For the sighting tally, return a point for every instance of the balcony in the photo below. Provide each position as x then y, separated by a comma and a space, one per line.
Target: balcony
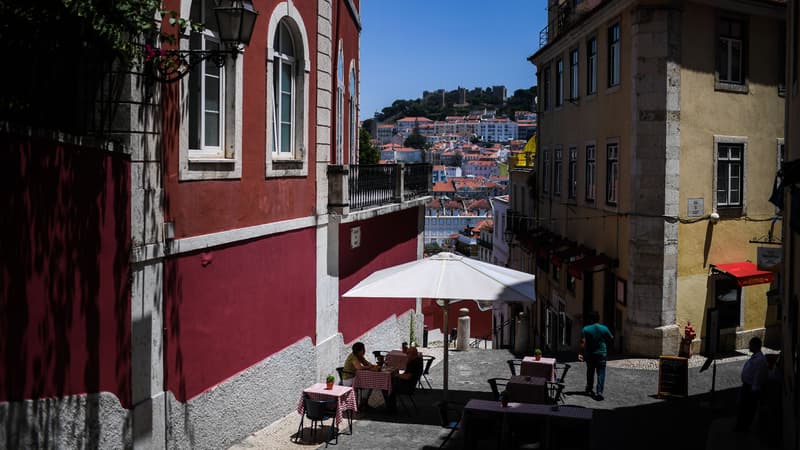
359, 187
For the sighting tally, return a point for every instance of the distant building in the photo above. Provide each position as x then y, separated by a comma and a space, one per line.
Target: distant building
406, 125
497, 130
500, 93
385, 133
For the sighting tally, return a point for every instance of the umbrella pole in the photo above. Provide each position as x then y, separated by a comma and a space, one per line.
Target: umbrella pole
445, 309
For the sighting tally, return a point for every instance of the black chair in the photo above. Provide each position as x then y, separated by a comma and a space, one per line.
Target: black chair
428, 360
514, 364
561, 372
555, 392
407, 389
444, 416
340, 371
453, 336
318, 411
496, 384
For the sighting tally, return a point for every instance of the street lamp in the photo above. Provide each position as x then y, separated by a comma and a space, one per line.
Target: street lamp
235, 22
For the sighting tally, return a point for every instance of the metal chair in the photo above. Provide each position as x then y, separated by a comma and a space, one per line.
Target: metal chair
514, 364
318, 411
561, 372
340, 371
428, 361
555, 393
496, 384
446, 422
408, 390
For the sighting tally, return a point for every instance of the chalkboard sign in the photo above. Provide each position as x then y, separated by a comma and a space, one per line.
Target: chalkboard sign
673, 376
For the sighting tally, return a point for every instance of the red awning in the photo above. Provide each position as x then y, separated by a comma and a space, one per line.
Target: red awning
746, 273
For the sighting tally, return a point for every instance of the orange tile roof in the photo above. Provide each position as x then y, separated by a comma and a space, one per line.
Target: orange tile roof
443, 186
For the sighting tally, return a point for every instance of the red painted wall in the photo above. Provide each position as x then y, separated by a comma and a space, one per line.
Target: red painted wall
64, 289
233, 306
201, 207
385, 241
480, 323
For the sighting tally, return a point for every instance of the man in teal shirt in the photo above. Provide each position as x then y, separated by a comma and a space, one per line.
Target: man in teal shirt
593, 351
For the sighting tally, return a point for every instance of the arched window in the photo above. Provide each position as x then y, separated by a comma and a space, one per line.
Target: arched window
353, 116
288, 68
211, 132
340, 107
284, 92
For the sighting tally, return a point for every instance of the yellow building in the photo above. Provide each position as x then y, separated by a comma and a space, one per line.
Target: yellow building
660, 130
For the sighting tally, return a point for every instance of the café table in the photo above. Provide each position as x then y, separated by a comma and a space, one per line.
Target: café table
544, 367
345, 400
370, 379
476, 408
397, 359
526, 389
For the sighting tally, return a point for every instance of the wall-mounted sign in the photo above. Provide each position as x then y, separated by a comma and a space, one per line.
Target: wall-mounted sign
769, 257
355, 237
696, 207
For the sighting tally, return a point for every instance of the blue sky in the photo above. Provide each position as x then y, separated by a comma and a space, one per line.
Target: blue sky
415, 45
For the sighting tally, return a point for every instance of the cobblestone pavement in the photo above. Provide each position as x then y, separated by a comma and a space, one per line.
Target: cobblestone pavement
630, 416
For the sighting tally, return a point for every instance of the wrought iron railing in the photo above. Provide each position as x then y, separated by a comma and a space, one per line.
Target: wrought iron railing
371, 185
357, 187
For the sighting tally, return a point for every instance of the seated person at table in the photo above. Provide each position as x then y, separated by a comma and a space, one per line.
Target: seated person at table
406, 382
356, 361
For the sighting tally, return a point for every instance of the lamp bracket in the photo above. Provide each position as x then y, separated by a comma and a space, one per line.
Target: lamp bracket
168, 66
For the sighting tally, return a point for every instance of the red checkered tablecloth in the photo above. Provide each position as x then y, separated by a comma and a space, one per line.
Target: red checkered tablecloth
368, 379
345, 396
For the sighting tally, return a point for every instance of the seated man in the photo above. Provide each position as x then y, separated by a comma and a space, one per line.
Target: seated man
356, 361
406, 382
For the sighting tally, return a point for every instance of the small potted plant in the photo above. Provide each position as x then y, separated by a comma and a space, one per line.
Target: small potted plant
504, 398
537, 354
329, 382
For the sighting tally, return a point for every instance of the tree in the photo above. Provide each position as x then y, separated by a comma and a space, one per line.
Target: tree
416, 140
367, 153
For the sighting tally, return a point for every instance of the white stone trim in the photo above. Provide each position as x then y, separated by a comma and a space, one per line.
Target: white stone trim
287, 10
190, 244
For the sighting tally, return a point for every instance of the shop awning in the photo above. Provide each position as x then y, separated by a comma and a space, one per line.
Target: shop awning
746, 273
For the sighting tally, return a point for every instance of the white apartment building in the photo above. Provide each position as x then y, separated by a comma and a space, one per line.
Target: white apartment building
497, 130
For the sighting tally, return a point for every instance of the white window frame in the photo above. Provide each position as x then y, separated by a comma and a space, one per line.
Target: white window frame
572, 173
590, 186
559, 82
612, 173
591, 66
546, 170
731, 140
296, 162
211, 162
574, 71
614, 54
724, 47
558, 166
353, 116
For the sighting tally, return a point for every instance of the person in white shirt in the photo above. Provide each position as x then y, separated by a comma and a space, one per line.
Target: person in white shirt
754, 381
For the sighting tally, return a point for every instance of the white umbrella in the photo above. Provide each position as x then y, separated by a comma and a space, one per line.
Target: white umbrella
446, 276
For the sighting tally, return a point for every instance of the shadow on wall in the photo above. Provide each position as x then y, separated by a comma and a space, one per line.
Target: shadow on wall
64, 282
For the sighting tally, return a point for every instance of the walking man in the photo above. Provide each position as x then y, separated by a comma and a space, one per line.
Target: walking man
754, 381
594, 352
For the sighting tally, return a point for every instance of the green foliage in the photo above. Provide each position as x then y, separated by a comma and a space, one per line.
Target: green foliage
330, 379
431, 105
367, 153
416, 140
432, 248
